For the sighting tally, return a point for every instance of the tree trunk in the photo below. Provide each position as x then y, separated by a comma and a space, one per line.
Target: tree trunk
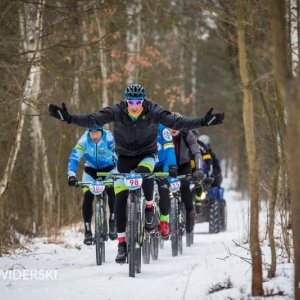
33, 86
248, 115
290, 93
194, 82
26, 90
103, 64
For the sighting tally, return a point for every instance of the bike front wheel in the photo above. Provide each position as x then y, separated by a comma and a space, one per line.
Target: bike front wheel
132, 222
99, 231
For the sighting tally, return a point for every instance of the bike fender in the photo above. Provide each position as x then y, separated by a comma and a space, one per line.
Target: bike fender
216, 193
213, 193
221, 195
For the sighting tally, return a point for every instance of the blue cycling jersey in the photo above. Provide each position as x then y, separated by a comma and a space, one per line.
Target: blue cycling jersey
166, 152
97, 156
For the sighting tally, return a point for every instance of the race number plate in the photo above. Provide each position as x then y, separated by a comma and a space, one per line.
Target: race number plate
97, 187
174, 184
133, 181
155, 188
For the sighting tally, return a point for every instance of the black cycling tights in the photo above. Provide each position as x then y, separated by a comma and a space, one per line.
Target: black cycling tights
125, 165
186, 194
87, 204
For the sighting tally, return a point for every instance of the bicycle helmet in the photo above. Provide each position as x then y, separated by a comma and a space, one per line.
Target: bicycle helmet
135, 92
205, 139
99, 128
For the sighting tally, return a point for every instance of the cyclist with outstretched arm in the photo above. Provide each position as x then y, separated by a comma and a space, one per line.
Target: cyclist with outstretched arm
136, 120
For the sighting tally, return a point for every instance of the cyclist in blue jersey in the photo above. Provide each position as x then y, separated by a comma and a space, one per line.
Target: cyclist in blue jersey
136, 121
98, 148
165, 162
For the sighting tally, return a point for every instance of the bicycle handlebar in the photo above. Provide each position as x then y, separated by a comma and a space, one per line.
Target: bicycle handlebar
144, 175
87, 183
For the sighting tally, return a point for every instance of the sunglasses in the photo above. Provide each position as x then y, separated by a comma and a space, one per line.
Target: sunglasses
135, 102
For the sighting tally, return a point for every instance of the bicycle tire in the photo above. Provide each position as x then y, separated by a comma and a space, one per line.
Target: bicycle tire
140, 217
132, 238
174, 226
188, 239
155, 237
98, 240
154, 246
181, 226
146, 249
161, 243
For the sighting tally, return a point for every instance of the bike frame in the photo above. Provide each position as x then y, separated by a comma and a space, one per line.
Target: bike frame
97, 188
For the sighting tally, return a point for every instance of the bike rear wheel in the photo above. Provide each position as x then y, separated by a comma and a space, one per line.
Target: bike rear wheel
174, 226
154, 245
161, 243
140, 217
180, 244
146, 248
189, 239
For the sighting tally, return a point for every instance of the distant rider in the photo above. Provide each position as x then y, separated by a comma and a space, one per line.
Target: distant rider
166, 162
98, 148
186, 148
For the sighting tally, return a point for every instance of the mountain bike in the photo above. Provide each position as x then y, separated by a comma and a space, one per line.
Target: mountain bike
135, 216
97, 188
177, 217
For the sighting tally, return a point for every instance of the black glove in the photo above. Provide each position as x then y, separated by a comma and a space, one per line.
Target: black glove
173, 171
213, 119
198, 175
59, 113
72, 181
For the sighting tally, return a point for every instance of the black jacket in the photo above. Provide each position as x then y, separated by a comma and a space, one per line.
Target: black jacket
188, 149
136, 137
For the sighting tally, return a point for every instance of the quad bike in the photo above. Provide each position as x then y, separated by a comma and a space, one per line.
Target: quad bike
212, 207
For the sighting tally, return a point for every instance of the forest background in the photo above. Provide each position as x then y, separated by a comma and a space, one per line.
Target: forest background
240, 57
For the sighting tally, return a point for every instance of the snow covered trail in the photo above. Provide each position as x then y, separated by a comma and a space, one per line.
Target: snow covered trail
68, 270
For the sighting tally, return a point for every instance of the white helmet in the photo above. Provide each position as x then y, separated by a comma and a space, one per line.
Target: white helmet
204, 139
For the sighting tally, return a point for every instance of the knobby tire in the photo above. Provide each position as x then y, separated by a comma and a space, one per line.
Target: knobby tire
99, 232
132, 238
174, 226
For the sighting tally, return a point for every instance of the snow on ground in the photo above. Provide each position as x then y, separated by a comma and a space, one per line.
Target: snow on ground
66, 269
